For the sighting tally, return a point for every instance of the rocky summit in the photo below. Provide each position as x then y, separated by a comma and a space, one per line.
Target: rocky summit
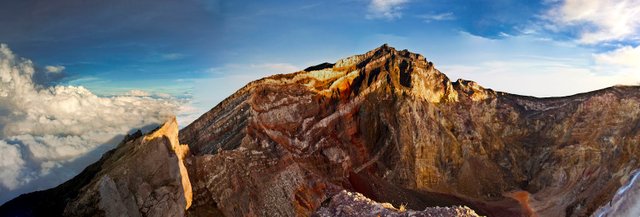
363, 136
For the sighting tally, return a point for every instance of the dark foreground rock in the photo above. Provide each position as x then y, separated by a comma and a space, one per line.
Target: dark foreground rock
347, 204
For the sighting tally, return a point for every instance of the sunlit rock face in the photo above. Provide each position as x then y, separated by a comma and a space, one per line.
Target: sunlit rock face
389, 125
143, 176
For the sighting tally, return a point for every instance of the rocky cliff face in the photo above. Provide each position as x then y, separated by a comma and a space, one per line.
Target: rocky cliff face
388, 125
143, 176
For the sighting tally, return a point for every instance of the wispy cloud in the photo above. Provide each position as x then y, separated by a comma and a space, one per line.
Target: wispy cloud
310, 6
385, 9
54, 69
279, 67
437, 17
598, 21
173, 56
526, 76
255, 68
626, 57
602, 24
524, 64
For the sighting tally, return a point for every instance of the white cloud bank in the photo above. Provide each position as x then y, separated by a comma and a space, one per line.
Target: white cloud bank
624, 61
599, 21
45, 131
626, 56
385, 9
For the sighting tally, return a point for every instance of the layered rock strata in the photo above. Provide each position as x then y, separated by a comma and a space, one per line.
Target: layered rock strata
389, 125
386, 124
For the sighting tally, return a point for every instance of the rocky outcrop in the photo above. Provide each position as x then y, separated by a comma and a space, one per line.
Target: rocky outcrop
347, 204
385, 124
143, 176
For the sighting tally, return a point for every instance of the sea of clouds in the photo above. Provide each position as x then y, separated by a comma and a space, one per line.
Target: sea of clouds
48, 134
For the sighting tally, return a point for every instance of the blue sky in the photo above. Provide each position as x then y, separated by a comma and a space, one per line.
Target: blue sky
203, 50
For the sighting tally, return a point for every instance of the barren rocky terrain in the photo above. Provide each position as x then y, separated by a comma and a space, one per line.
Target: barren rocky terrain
385, 124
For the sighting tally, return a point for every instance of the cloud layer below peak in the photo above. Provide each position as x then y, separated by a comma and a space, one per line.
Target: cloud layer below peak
45, 131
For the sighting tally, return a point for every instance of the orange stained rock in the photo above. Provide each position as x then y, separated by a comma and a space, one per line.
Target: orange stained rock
170, 130
523, 198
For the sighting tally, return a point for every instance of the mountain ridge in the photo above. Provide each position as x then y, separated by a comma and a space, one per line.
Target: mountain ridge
388, 125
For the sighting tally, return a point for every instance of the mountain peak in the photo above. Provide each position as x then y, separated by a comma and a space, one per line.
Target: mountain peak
382, 53
385, 48
384, 67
